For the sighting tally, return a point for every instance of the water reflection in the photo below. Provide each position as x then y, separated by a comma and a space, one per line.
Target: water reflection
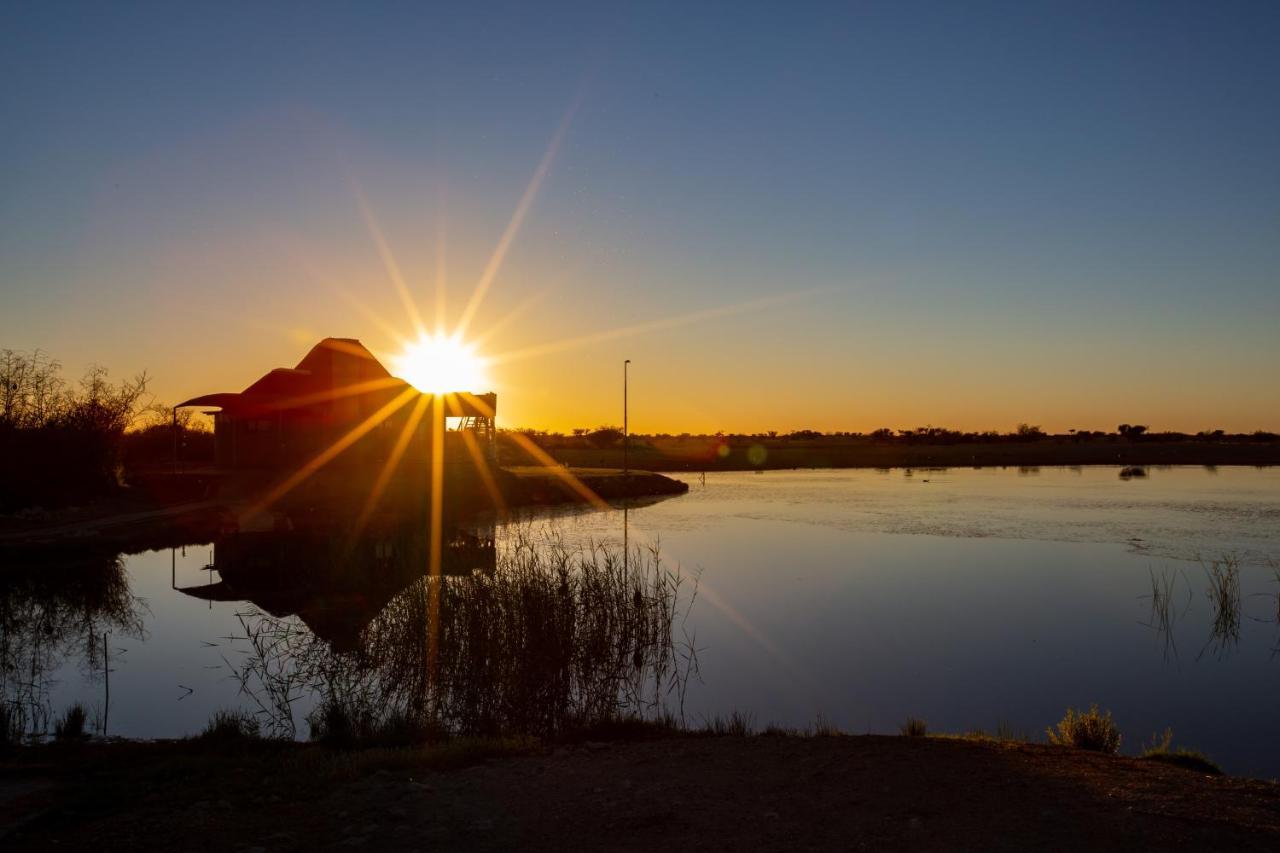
334, 583
530, 637
1167, 608
55, 612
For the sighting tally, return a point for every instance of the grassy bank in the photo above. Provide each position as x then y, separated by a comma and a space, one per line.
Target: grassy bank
736, 790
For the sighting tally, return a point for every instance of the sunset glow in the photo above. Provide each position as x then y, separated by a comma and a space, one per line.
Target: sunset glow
440, 364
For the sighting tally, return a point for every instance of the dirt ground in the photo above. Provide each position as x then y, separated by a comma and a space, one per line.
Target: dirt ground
687, 793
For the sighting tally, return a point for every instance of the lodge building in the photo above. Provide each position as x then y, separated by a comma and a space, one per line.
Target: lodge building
338, 393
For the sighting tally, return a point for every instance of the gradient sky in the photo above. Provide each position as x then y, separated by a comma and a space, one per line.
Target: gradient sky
968, 215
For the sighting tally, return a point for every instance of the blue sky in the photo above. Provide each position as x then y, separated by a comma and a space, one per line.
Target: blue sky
982, 213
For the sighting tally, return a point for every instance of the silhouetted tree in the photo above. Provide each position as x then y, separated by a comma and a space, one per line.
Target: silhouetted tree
605, 436
60, 443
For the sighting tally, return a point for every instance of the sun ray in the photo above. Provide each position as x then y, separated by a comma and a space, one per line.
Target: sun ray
435, 535
509, 318
388, 260
517, 219
647, 326
562, 473
482, 471
328, 454
366, 387
320, 278
748, 628
393, 461
442, 269
372, 316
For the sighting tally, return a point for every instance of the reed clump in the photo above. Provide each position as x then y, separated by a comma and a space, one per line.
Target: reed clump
231, 726
914, 727
1224, 599
1089, 730
71, 726
1161, 749
13, 725
551, 641
737, 724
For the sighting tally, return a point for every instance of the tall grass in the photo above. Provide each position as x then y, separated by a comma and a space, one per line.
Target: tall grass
914, 727
553, 639
1224, 600
71, 726
1161, 749
1164, 611
13, 725
229, 726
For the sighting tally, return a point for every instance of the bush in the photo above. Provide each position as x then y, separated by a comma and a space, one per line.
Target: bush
13, 723
232, 725
1161, 749
341, 725
71, 726
1092, 731
914, 727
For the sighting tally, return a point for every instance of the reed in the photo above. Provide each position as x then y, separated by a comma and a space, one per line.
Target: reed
914, 727
1161, 749
71, 726
1224, 600
552, 640
231, 726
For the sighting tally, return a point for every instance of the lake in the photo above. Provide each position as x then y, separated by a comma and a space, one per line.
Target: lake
972, 599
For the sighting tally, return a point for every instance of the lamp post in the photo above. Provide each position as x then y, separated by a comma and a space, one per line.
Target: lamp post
626, 435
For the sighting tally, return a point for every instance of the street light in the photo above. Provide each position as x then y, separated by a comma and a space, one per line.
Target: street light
626, 436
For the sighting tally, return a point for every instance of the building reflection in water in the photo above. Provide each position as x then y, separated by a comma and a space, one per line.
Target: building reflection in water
526, 636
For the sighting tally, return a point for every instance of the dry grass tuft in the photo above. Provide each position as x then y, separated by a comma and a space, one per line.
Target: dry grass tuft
914, 727
1092, 731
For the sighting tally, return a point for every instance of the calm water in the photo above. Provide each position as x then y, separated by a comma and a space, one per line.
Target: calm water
969, 598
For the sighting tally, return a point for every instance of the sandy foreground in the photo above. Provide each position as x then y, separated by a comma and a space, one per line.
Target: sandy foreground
687, 793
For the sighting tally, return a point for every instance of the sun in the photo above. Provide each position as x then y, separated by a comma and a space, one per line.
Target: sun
442, 364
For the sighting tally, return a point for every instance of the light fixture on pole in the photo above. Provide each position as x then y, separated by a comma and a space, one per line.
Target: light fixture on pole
626, 435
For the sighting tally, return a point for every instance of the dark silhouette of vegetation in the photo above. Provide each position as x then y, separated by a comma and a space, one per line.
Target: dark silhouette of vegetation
605, 436
60, 442
1161, 749
914, 727
550, 640
71, 725
149, 445
231, 726
1087, 730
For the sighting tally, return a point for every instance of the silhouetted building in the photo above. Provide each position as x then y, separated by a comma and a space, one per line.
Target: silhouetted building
338, 392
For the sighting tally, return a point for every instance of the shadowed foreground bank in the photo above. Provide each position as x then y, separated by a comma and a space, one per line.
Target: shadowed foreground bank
769, 793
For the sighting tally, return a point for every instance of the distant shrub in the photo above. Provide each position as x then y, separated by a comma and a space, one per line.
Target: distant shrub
13, 723
342, 725
1161, 749
736, 724
71, 726
1092, 731
823, 727
231, 725
914, 727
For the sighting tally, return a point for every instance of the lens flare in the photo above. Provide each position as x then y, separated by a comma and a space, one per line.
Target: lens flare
441, 364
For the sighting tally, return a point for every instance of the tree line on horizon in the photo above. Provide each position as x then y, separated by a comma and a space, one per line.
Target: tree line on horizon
609, 436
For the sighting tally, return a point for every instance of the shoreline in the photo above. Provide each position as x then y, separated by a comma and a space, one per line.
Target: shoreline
155, 516
735, 791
